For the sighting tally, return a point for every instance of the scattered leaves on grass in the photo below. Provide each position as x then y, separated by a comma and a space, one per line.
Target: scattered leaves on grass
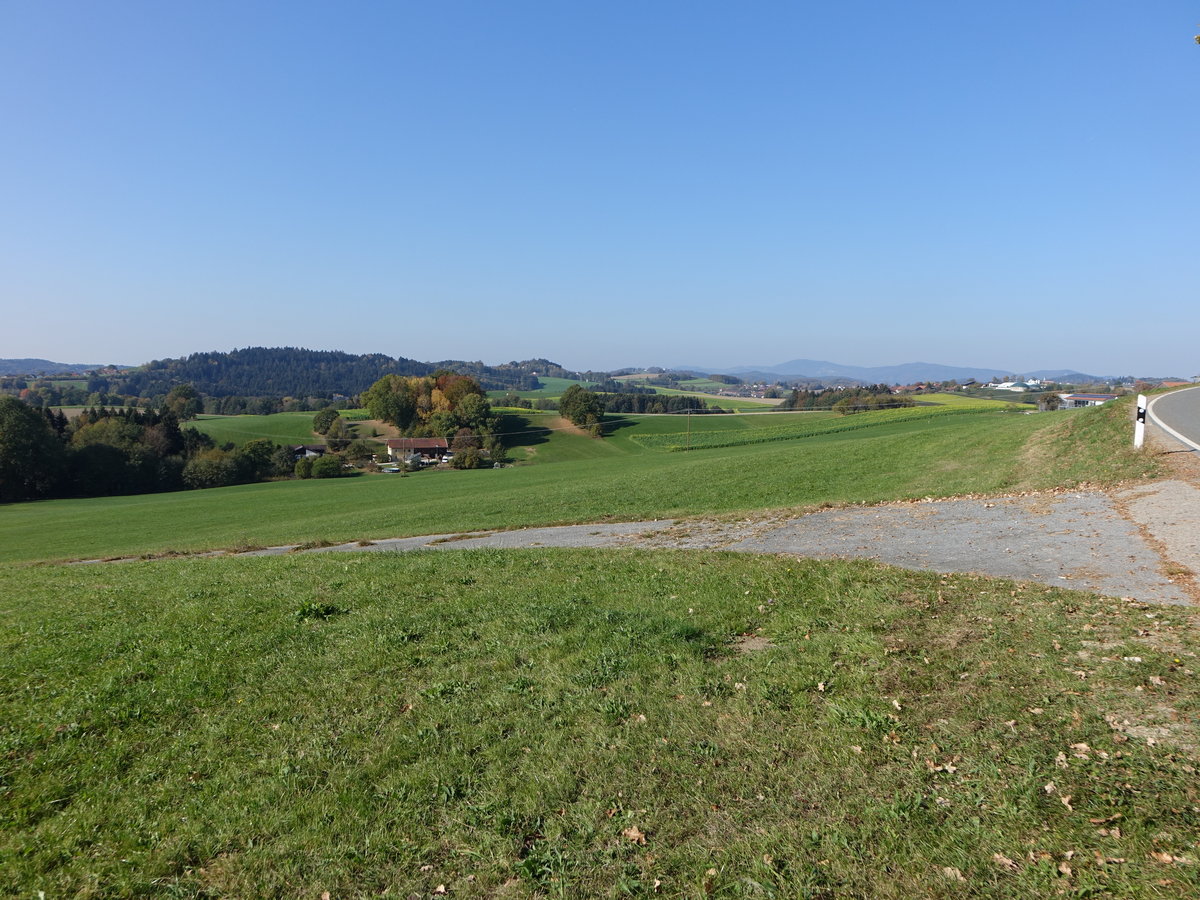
1169, 859
635, 834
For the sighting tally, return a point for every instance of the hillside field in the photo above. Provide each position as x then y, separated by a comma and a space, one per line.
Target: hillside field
551, 388
609, 479
579, 723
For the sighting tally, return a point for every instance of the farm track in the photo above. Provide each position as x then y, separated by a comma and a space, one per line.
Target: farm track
1140, 541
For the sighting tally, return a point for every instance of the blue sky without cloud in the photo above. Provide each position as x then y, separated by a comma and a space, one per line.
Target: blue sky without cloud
606, 184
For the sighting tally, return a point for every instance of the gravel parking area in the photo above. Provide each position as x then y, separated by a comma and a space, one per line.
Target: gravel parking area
1141, 542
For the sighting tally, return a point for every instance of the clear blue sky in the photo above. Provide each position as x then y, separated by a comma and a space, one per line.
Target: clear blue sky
606, 184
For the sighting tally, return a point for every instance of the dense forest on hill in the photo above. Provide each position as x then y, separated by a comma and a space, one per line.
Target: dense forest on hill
262, 371
296, 372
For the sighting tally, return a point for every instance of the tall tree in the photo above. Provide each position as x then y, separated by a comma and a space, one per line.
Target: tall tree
184, 401
31, 455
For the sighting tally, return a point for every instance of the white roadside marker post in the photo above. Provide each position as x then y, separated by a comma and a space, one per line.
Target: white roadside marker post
1139, 425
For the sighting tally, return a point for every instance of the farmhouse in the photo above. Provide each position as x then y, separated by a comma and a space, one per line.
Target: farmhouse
308, 451
400, 449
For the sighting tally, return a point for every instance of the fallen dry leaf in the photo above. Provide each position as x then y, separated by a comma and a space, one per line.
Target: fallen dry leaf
1004, 862
1169, 859
635, 834
1064, 869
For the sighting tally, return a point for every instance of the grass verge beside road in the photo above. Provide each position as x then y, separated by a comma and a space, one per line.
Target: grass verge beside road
589, 723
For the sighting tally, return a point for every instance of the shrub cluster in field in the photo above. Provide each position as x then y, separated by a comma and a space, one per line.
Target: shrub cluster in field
589, 723
714, 439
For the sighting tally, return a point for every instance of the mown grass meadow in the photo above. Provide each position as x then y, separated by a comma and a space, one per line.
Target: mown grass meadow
588, 724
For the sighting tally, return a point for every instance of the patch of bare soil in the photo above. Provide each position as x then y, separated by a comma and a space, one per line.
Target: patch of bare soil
1157, 723
383, 430
568, 427
752, 643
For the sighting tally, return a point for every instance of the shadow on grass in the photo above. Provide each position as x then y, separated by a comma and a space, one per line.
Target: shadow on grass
520, 431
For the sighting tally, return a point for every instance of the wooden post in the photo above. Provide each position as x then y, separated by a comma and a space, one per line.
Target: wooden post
1139, 424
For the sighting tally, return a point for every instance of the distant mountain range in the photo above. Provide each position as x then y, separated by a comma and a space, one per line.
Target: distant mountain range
45, 367
907, 373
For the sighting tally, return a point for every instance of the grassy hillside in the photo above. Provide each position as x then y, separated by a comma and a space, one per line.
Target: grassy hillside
613, 479
282, 428
588, 724
551, 388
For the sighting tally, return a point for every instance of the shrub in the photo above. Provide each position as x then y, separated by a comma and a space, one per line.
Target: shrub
327, 466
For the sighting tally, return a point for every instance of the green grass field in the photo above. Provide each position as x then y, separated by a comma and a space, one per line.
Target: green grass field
551, 388
805, 427
282, 428
593, 480
588, 724
961, 401
723, 402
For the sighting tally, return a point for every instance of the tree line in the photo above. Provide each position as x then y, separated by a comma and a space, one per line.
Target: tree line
103, 452
846, 400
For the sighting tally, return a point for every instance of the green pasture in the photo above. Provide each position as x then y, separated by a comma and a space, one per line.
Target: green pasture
609, 479
536, 724
282, 428
702, 384
960, 401
723, 402
802, 426
551, 388
534, 437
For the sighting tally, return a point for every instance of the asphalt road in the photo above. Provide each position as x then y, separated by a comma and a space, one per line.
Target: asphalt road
1178, 413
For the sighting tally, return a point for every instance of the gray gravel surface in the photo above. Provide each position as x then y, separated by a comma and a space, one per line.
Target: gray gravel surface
1141, 542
